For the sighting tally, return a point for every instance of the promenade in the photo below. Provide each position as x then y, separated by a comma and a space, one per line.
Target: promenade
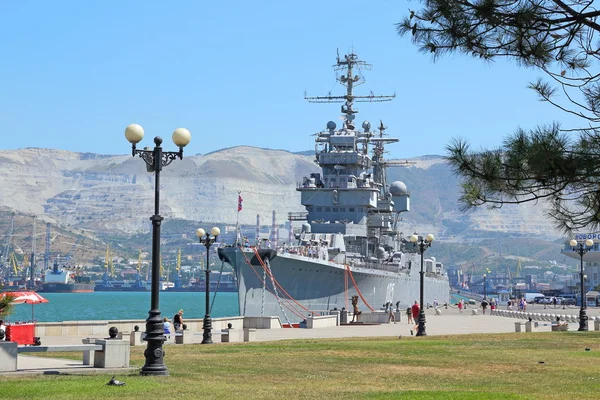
449, 323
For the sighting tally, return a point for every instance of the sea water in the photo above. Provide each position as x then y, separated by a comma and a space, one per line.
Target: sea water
108, 306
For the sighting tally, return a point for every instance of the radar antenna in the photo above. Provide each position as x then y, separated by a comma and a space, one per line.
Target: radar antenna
348, 63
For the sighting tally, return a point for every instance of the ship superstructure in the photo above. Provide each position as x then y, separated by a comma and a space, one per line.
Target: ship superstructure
349, 243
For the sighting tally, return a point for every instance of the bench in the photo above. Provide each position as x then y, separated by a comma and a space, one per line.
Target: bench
238, 335
87, 349
99, 353
559, 328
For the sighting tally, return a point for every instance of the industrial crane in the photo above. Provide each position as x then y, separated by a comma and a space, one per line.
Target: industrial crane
109, 268
5, 253
178, 269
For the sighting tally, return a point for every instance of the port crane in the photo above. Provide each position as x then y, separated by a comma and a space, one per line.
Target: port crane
178, 269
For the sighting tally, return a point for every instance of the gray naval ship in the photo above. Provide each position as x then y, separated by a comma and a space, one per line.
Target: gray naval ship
349, 243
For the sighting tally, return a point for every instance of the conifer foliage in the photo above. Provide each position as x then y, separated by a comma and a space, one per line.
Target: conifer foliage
555, 164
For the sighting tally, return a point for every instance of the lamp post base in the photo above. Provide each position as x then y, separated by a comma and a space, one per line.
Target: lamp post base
154, 353
421, 328
207, 327
583, 320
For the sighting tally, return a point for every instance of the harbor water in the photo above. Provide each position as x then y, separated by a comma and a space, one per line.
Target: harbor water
105, 306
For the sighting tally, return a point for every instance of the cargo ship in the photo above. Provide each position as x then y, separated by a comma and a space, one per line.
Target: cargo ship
57, 280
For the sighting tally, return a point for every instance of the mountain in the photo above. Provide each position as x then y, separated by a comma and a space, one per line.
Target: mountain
113, 196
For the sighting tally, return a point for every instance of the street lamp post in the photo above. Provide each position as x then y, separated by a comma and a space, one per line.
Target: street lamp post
581, 249
484, 287
423, 244
155, 160
207, 240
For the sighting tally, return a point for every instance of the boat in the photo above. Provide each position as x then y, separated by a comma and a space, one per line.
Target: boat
137, 285
57, 280
349, 244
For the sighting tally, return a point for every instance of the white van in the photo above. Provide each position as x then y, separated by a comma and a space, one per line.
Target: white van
530, 297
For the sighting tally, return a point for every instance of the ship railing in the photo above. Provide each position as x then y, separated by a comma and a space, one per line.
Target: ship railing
306, 251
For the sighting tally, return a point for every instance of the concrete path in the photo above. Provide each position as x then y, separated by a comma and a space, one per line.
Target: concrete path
449, 323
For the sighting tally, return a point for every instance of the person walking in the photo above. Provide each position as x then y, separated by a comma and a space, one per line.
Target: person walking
391, 317
416, 309
409, 316
484, 305
460, 306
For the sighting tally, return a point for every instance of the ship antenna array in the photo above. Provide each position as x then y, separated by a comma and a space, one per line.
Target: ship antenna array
348, 63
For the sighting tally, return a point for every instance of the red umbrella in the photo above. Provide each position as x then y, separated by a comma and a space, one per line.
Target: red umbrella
25, 297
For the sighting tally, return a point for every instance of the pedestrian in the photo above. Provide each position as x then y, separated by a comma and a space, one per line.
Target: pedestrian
484, 305
391, 316
554, 301
460, 306
435, 304
178, 321
166, 326
409, 316
416, 309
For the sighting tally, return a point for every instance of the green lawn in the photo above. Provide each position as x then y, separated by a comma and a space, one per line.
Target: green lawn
549, 365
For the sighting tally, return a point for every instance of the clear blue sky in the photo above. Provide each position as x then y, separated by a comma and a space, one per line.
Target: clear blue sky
75, 73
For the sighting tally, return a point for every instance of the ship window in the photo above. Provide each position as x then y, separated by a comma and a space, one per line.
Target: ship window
360, 209
350, 179
335, 209
343, 209
319, 209
352, 209
327, 209
309, 208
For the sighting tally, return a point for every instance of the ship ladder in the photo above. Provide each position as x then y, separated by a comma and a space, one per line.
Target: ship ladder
289, 305
217, 287
264, 280
268, 265
357, 289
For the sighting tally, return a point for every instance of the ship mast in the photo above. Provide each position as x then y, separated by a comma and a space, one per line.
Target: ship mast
349, 63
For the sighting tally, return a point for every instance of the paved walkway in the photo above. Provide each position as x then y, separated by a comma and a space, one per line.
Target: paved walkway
449, 323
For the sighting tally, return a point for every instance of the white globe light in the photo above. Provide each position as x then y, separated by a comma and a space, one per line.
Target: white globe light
430, 238
573, 243
181, 137
414, 238
200, 232
589, 243
215, 231
134, 133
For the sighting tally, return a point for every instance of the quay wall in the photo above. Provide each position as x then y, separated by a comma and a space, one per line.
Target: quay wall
100, 328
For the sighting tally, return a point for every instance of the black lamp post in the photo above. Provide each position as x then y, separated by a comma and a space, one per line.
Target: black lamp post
155, 160
207, 240
484, 287
423, 244
581, 249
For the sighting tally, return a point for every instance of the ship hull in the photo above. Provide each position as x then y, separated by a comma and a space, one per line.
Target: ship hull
58, 287
317, 286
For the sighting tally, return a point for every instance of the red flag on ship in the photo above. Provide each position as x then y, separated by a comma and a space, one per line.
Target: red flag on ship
240, 203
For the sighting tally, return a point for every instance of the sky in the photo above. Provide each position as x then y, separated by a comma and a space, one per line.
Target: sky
76, 73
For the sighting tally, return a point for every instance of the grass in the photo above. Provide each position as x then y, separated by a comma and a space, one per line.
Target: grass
490, 366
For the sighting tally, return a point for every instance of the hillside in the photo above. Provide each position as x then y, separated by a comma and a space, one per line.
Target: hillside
107, 197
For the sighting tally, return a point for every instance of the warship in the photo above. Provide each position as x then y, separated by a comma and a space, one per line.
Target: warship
349, 243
